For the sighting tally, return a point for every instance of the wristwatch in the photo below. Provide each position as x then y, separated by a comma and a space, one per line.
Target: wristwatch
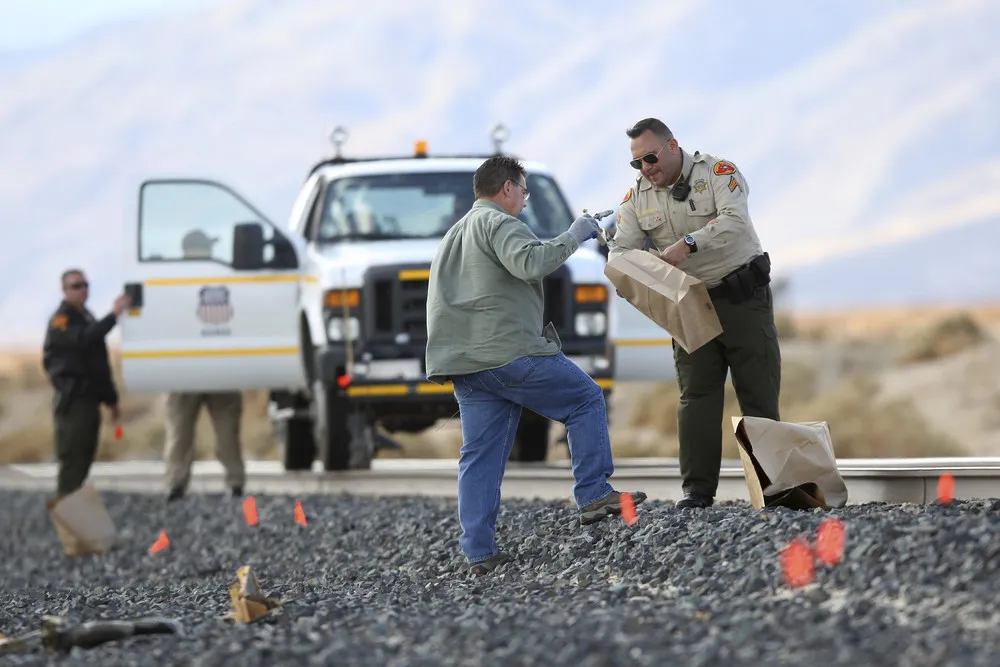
690, 242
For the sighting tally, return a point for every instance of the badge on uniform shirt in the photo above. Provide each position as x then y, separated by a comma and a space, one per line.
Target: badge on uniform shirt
700, 185
60, 322
733, 184
723, 168
628, 195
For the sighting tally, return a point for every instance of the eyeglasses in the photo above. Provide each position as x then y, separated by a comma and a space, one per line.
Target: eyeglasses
648, 158
78, 285
524, 188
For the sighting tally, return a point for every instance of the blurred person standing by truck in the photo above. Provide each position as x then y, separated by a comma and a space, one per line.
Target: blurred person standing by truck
225, 409
693, 209
75, 358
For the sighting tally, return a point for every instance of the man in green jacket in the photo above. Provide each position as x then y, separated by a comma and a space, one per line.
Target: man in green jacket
485, 334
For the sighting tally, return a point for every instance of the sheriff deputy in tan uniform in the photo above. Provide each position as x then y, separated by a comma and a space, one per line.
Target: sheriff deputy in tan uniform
693, 209
225, 409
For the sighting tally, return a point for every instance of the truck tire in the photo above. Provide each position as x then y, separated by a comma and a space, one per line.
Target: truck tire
531, 442
297, 443
343, 440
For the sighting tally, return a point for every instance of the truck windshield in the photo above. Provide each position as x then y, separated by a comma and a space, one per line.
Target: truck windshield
425, 205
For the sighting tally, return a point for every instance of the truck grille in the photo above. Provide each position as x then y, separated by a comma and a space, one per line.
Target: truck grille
394, 306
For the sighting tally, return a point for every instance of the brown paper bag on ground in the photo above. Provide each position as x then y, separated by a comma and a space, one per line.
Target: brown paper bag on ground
789, 464
249, 602
679, 303
82, 522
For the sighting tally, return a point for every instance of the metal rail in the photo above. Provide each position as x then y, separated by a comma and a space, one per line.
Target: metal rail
868, 480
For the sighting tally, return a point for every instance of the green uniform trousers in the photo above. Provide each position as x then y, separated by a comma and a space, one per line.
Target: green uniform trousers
748, 349
77, 429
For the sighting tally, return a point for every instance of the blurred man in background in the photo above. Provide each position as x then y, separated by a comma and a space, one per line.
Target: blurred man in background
693, 208
75, 358
225, 409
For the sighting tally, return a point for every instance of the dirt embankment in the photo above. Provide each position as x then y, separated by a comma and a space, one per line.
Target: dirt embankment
890, 383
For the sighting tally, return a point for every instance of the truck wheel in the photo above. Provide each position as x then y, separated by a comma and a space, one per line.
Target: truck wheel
531, 442
297, 443
342, 437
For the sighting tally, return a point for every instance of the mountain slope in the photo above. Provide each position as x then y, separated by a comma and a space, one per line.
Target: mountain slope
951, 266
841, 124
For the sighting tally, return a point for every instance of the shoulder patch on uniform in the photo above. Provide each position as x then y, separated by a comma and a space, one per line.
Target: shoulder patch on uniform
723, 168
59, 322
628, 195
733, 184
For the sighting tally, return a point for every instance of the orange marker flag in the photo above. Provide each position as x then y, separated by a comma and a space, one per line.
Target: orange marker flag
628, 509
161, 543
830, 541
946, 488
797, 563
300, 516
250, 511
118, 431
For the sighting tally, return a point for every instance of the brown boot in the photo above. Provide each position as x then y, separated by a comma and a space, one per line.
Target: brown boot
607, 506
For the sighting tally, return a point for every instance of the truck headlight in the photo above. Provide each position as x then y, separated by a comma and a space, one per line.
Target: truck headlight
590, 324
337, 331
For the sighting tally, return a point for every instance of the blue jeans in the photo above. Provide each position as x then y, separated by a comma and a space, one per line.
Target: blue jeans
490, 404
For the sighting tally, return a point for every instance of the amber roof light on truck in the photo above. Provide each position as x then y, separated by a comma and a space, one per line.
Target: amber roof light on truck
338, 137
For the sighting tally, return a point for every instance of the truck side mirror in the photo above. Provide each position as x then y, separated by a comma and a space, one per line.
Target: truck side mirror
248, 246
284, 253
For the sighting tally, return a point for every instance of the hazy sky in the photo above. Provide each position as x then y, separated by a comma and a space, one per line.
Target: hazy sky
32, 24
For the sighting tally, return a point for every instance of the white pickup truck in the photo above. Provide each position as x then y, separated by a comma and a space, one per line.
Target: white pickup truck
328, 312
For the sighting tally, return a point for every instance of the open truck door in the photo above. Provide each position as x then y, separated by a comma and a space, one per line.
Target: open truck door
214, 287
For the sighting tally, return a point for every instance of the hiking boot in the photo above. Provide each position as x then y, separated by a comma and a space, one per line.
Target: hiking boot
607, 506
695, 501
490, 564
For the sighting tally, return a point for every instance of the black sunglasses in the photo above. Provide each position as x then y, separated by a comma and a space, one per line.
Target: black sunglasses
648, 158
78, 285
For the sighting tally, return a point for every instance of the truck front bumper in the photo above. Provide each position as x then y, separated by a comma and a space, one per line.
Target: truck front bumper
395, 380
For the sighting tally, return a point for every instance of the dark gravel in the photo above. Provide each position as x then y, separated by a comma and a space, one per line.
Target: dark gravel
378, 582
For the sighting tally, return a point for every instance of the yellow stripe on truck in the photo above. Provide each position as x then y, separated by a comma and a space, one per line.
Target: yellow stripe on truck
415, 274
643, 342
378, 390
233, 352
218, 280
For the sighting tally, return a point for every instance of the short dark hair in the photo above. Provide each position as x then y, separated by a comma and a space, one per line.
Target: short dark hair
493, 173
67, 273
654, 125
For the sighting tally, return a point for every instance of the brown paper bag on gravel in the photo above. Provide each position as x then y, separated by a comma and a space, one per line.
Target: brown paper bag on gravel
82, 522
679, 303
789, 464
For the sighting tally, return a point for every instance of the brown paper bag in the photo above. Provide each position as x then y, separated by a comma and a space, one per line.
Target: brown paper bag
789, 464
82, 522
679, 303
249, 602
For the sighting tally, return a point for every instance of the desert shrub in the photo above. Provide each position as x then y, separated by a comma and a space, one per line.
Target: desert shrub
949, 335
862, 426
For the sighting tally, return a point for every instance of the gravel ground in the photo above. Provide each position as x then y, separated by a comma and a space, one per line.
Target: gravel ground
378, 582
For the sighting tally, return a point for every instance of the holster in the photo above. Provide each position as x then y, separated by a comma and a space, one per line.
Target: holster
741, 284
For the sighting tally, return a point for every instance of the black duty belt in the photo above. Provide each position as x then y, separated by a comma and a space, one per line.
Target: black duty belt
740, 284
